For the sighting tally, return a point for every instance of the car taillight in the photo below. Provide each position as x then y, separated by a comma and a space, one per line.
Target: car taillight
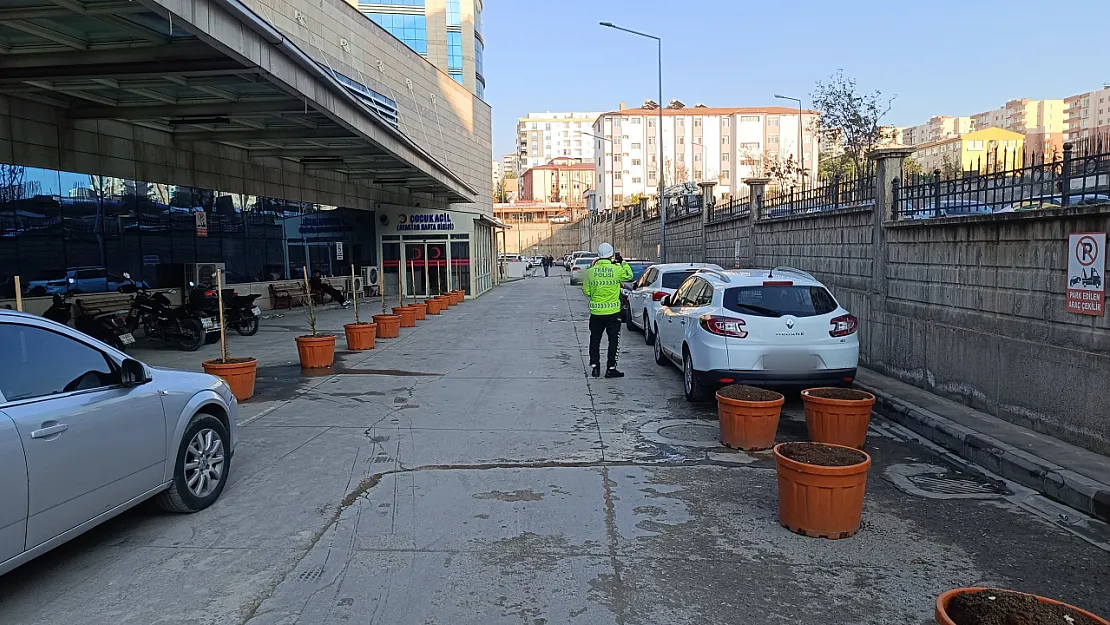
778, 283
210, 293
658, 296
844, 325
723, 326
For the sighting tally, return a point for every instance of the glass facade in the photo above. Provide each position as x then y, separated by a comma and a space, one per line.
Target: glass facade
404, 3
454, 15
454, 51
479, 51
56, 225
410, 29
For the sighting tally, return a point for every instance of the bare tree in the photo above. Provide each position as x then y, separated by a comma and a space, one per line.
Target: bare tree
849, 118
784, 171
11, 182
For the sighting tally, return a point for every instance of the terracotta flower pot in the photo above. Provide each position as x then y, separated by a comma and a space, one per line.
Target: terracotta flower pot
360, 336
421, 311
460, 296
941, 612
407, 314
434, 305
838, 421
821, 501
749, 425
316, 352
239, 374
389, 326
447, 300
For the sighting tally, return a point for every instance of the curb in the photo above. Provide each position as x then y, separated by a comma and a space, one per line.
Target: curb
1047, 478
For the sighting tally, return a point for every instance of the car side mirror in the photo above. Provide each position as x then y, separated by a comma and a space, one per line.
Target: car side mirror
126, 276
133, 372
666, 301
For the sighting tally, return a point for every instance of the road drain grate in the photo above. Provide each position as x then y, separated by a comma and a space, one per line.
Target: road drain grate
942, 484
310, 575
939, 482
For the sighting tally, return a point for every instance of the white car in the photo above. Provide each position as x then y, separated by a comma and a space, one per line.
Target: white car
578, 269
569, 263
777, 327
656, 283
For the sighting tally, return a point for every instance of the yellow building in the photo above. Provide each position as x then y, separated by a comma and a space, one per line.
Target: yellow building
986, 150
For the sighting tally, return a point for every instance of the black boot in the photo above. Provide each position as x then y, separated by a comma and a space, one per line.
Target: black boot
612, 372
595, 370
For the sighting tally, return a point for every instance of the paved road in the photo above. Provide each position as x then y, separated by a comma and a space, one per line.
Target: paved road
471, 473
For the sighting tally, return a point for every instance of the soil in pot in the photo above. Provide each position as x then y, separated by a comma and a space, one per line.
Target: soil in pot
743, 392
850, 394
1000, 607
822, 455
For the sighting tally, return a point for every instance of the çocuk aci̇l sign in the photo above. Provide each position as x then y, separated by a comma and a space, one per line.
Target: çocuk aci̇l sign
424, 221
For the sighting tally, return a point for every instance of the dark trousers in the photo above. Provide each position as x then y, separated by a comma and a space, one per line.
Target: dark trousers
610, 325
545, 269
335, 294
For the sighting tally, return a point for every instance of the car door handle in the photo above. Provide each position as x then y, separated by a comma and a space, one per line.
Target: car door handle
49, 430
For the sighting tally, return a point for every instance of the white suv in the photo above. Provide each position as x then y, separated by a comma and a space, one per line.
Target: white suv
777, 327
656, 283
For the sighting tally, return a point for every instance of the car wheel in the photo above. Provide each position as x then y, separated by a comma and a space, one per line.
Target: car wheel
649, 336
660, 357
695, 391
628, 320
200, 469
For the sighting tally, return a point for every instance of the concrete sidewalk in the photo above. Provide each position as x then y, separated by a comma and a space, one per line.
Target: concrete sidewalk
470, 472
1069, 474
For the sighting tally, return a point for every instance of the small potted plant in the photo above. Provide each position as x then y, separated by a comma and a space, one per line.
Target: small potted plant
407, 315
838, 415
389, 326
821, 488
434, 305
360, 334
316, 351
749, 416
239, 373
421, 310
982, 606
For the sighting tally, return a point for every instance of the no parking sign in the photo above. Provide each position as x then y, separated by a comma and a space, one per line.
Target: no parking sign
1086, 273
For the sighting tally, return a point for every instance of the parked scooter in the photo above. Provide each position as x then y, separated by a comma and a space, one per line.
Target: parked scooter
106, 326
240, 313
160, 319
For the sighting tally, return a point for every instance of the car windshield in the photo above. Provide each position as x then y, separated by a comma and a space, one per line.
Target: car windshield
638, 270
777, 301
674, 279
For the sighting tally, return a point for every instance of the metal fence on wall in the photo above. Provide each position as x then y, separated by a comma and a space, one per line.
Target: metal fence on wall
1009, 183
735, 207
832, 193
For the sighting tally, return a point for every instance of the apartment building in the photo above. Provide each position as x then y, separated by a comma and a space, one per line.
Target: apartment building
721, 144
1087, 114
937, 128
446, 32
541, 137
979, 150
562, 179
1041, 121
509, 163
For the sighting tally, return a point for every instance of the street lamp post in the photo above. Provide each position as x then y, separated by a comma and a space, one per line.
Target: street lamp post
662, 200
801, 151
612, 194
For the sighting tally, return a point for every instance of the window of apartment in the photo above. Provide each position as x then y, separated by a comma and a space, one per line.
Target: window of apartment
772, 139
534, 126
697, 174
697, 122
636, 181
681, 157
972, 145
567, 142
547, 127
635, 161
566, 133
724, 174
725, 122
681, 140
636, 120
772, 121
616, 175
651, 140
454, 51
453, 13
724, 140
724, 157
749, 118
651, 123
697, 157
635, 146
578, 143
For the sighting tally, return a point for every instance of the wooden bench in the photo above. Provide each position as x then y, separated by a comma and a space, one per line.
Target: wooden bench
290, 293
96, 303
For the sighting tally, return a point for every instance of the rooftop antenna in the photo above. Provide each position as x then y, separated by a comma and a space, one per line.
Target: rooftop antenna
770, 273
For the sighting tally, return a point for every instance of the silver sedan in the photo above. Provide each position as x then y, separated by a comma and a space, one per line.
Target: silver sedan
87, 432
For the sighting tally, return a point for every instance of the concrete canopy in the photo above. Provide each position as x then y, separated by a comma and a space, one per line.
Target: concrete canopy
207, 71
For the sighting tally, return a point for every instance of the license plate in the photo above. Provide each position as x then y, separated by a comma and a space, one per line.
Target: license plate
256, 311
790, 362
208, 323
126, 338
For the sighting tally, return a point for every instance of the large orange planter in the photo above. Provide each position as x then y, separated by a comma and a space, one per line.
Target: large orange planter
749, 425
434, 305
360, 336
821, 501
459, 296
239, 375
837, 421
941, 612
408, 316
316, 352
447, 301
421, 310
389, 326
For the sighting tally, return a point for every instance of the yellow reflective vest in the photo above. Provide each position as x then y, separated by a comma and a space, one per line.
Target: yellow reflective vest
603, 286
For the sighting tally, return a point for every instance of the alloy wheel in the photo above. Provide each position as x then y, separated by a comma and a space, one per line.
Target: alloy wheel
204, 463
688, 374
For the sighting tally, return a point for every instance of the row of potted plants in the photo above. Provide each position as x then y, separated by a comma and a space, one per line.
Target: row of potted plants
822, 483
316, 350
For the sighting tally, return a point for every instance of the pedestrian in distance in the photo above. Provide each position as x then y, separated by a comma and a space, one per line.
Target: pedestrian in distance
546, 262
603, 286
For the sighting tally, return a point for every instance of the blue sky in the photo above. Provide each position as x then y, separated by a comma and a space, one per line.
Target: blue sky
939, 57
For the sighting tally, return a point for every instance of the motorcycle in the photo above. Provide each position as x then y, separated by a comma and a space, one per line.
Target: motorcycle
240, 312
106, 326
160, 319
